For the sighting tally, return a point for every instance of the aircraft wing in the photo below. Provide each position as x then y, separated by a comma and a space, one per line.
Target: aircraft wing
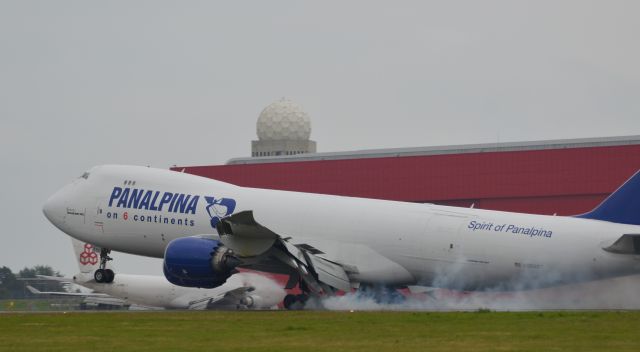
35, 291
89, 297
55, 278
313, 263
232, 298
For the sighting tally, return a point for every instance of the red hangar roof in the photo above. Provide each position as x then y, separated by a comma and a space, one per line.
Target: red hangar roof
546, 177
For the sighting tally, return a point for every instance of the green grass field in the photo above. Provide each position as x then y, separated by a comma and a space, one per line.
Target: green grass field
321, 331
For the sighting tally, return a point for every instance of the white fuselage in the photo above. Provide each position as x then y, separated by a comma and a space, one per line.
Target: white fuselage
156, 291
144, 290
388, 242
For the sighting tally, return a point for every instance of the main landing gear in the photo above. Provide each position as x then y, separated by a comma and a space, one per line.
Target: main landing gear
297, 302
102, 274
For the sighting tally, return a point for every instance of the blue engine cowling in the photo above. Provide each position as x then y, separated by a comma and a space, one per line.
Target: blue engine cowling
197, 262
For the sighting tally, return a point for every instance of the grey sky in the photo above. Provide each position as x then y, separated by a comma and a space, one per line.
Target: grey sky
174, 82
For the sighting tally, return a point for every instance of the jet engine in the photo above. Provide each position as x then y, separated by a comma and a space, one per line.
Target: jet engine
254, 302
198, 262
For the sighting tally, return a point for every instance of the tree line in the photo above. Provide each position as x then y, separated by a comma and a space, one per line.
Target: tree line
12, 285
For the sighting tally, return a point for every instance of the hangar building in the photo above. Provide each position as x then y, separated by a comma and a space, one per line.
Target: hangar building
561, 177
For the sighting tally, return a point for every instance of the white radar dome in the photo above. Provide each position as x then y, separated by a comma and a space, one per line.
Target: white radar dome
283, 120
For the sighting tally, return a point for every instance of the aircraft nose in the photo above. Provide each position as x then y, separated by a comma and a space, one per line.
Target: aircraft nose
54, 209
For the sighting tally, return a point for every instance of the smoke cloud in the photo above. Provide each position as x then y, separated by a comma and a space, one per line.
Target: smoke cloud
267, 288
617, 293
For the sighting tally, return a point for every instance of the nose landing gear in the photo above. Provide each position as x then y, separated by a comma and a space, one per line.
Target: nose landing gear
104, 275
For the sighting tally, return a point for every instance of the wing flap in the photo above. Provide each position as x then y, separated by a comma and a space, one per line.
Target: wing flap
247, 238
245, 235
331, 273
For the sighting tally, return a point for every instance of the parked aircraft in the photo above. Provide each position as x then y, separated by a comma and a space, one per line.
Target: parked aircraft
91, 299
205, 229
244, 290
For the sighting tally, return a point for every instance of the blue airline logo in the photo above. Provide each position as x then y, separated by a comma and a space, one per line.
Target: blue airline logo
219, 208
153, 200
181, 203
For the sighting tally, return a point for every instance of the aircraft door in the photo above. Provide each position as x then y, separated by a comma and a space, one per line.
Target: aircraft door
442, 238
98, 216
442, 249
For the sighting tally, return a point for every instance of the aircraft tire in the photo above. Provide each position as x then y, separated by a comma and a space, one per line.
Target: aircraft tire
295, 302
99, 275
289, 301
110, 275
302, 298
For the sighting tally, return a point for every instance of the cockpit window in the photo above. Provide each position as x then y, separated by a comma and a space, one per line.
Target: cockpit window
85, 175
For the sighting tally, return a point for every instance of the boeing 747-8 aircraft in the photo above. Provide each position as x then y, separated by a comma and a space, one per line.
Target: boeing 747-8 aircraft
205, 229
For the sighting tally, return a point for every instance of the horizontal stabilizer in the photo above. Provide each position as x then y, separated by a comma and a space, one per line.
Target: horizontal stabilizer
627, 244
